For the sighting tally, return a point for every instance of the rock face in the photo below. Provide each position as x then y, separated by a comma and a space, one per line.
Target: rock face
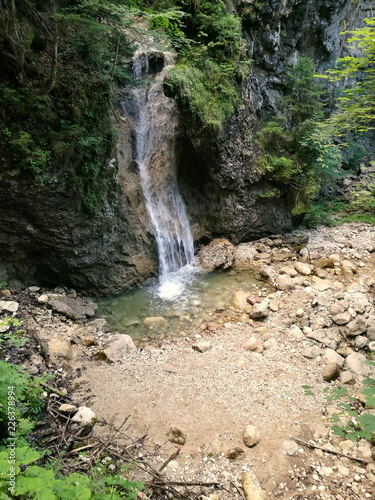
46, 234
223, 189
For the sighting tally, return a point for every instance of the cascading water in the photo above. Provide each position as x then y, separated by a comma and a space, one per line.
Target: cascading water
155, 127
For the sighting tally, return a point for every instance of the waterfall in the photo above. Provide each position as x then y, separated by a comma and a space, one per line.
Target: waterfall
155, 129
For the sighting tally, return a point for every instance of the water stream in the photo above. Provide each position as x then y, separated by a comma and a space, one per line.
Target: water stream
155, 130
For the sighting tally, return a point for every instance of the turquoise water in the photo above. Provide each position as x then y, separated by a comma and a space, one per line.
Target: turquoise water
200, 297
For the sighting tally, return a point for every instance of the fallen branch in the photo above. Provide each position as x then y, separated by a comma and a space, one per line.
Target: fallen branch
327, 450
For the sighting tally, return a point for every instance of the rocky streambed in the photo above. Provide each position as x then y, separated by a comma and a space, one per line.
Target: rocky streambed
227, 395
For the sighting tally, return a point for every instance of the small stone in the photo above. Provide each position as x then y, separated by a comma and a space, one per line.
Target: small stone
342, 318
331, 371
327, 336
355, 327
253, 344
68, 408
203, 346
155, 321
34, 289
356, 362
361, 342
176, 436
235, 454
296, 332
302, 268
319, 284
119, 347
260, 311
284, 282
311, 352
84, 416
290, 447
251, 435
274, 306
239, 301
271, 344
324, 263
331, 356
9, 305
347, 378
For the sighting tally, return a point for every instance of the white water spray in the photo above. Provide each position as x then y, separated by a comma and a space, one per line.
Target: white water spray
155, 128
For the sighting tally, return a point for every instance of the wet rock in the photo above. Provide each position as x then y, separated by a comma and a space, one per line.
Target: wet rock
217, 254
85, 416
302, 268
155, 321
119, 347
253, 344
251, 435
176, 436
9, 306
342, 318
244, 256
260, 310
239, 301
326, 336
202, 346
356, 363
235, 454
331, 371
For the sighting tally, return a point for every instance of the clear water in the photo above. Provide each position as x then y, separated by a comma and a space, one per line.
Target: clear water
199, 297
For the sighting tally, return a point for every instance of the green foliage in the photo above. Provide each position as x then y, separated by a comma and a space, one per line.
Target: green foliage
296, 149
27, 402
12, 339
349, 422
55, 121
356, 108
40, 483
211, 63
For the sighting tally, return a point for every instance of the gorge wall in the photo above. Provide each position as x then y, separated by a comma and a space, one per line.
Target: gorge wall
47, 235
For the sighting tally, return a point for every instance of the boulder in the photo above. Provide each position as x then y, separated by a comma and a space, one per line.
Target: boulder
284, 282
119, 347
77, 309
355, 327
219, 253
244, 256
